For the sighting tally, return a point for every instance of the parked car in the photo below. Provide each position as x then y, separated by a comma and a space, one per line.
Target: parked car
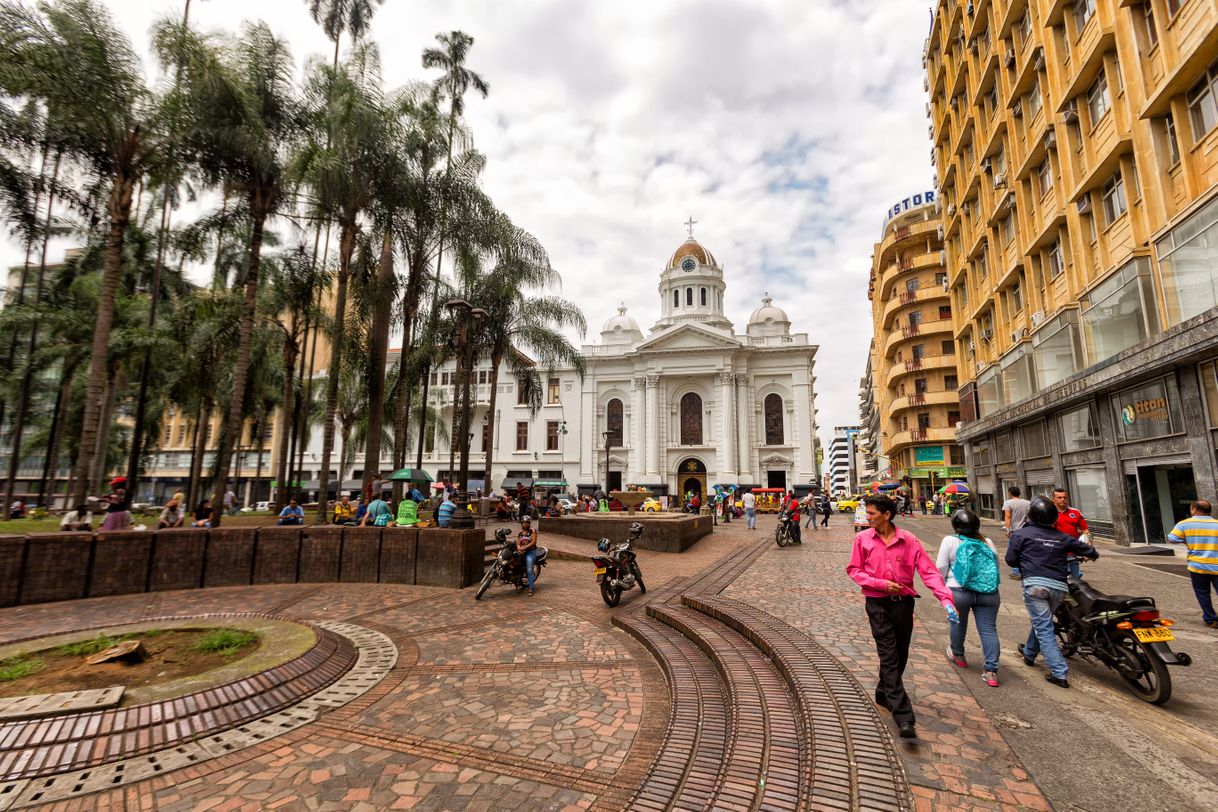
567, 505
652, 505
848, 504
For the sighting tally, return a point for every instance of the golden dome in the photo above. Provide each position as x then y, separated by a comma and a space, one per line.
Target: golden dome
691, 248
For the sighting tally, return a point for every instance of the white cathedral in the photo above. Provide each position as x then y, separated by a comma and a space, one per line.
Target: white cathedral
691, 405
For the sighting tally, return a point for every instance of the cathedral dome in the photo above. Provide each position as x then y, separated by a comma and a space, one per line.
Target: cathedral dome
621, 328
691, 248
768, 319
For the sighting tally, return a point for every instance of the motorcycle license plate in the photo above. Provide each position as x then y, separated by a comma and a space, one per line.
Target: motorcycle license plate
1155, 634
600, 571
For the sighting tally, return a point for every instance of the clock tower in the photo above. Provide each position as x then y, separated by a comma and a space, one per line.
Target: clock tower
692, 288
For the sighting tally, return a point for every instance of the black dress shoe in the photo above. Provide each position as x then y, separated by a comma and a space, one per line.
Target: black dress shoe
1026, 659
907, 730
1060, 683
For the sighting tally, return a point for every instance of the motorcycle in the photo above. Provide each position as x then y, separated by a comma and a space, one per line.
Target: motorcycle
618, 569
1125, 633
782, 533
508, 565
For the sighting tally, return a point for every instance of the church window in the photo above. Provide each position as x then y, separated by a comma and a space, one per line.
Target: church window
704, 297
613, 422
773, 419
689, 297
676, 298
691, 419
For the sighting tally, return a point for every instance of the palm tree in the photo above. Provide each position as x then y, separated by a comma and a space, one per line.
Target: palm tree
72, 59
341, 163
338, 16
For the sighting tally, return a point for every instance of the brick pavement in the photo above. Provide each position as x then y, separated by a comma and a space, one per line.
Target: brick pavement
960, 760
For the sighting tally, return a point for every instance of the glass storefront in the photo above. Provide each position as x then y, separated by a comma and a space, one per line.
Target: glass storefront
1119, 313
1089, 493
989, 392
1033, 440
1145, 412
1208, 373
1056, 351
1018, 378
1188, 257
1079, 428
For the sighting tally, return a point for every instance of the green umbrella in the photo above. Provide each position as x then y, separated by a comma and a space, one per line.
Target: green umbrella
410, 475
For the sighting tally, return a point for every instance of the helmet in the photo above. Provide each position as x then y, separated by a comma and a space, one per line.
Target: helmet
636, 529
603, 545
501, 535
965, 522
525, 520
1042, 512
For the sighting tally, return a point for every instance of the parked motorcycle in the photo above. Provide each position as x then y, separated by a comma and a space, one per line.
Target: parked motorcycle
617, 569
508, 565
1124, 633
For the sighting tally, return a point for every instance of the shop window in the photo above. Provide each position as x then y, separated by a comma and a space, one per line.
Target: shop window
1119, 313
522, 436
1188, 261
552, 390
1004, 448
772, 406
1034, 441
614, 421
691, 419
1089, 493
1202, 101
551, 435
1113, 193
1146, 411
1056, 353
1079, 428
1208, 372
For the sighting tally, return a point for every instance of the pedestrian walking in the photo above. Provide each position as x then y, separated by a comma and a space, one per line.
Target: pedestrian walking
1039, 550
922, 503
826, 509
883, 562
1199, 533
1014, 515
750, 510
118, 507
968, 563
230, 501
1071, 522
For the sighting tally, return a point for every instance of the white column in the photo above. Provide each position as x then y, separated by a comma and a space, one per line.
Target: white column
652, 383
727, 414
638, 436
801, 390
588, 434
743, 434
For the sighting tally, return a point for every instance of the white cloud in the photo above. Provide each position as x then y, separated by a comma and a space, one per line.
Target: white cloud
785, 127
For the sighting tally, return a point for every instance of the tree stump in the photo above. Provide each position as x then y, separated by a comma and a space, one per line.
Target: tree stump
128, 651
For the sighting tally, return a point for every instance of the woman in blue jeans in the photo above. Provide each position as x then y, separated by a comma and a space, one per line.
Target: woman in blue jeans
983, 605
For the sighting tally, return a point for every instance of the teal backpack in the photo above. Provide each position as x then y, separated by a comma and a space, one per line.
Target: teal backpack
976, 566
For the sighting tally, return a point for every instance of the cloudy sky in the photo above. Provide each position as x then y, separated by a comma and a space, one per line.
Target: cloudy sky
784, 127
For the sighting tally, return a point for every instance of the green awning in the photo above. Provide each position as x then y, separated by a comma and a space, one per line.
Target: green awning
549, 483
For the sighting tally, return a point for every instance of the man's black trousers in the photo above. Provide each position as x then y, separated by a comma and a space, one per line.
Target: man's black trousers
891, 627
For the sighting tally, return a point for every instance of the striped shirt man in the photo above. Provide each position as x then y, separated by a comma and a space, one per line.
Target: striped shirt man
1200, 533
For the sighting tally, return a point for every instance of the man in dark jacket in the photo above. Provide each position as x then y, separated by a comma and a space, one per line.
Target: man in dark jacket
1039, 550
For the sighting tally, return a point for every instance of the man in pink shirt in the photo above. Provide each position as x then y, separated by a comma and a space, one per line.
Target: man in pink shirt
883, 563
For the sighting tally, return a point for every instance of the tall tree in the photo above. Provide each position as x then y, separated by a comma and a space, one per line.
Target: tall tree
71, 58
244, 119
337, 17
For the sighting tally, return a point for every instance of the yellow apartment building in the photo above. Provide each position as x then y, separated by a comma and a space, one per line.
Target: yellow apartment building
909, 417
1076, 152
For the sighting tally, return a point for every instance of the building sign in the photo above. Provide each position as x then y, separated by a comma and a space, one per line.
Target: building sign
939, 473
1145, 412
909, 203
928, 455
1146, 409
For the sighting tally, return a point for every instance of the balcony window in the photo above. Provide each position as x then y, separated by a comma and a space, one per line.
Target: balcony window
1008, 229
1173, 6
522, 436
1056, 354
1024, 26
551, 435
1113, 193
1098, 100
1018, 377
945, 312
1084, 10
1034, 99
940, 278
989, 392
1044, 176
1203, 103
1120, 312
1150, 31
1056, 262
947, 347
1079, 428
552, 390
1188, 259
1145, 412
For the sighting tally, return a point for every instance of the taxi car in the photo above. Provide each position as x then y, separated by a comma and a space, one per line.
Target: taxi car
848, 504
652, 505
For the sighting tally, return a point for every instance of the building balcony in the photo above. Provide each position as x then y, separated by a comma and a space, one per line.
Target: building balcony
908, 235
909, 299
903, 439
912, 365
923, 399
893, 272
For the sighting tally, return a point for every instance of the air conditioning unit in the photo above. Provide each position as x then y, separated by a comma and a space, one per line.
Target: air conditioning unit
955, 102
1017, 109
972, 346
1000, 180
939, 232
942, 257
951, 209
928, 109
1010, 59
1038, 317
1051, 139
945, 288
987, 334
926, 82
1084, 204
969, 9
985, 165
1015, 336
1070, 114
1038, 60
930, 130
973, 47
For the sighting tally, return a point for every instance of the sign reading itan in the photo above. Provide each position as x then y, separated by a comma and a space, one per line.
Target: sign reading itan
909, 203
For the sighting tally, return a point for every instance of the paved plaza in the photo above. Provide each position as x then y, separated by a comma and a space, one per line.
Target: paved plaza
544, 703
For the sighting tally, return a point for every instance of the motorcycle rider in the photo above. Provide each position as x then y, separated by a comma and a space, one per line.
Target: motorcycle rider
1040, 550
792, 508
526, 546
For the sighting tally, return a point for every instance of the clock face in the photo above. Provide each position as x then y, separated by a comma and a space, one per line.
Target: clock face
688, 264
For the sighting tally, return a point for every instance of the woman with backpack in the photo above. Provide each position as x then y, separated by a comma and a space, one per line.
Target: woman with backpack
968, 563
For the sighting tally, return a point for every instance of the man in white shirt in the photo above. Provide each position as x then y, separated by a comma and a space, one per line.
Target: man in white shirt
750, 510
1014, 516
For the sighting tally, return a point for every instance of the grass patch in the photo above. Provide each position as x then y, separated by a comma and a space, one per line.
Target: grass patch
225, 641
14, 668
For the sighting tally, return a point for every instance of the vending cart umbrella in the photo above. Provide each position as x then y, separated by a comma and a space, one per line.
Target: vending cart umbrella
955, 487
410, 475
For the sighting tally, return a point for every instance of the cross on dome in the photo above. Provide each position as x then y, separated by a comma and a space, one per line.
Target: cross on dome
689, 225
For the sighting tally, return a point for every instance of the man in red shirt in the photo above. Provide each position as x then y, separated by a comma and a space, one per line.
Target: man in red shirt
1071, 522
792, 507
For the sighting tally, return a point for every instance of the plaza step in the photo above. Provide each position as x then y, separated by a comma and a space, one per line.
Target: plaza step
762, 717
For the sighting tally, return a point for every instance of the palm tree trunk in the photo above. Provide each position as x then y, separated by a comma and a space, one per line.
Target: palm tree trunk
344, 434
27, 379
496, 359
258, 467
285, 418
197, 443
230, 432
50, 467
346, 247
379, 349
116, 383
297, 395
120, 212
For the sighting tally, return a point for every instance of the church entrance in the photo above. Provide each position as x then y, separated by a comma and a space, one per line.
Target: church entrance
691, 478
776, 479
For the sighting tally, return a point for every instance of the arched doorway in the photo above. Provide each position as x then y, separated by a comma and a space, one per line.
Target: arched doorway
691, 479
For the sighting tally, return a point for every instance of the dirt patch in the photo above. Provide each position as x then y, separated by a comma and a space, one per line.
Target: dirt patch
172, 654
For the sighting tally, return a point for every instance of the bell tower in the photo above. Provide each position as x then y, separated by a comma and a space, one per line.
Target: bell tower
692, 287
